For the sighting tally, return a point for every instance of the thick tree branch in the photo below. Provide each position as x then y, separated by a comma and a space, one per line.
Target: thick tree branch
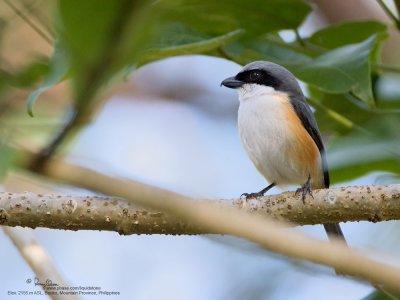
87, 213
270, 234
357, 203
267, 233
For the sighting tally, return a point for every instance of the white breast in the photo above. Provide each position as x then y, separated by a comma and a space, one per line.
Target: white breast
264, 134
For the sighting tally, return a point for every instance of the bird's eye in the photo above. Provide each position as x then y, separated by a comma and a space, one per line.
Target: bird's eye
255, 75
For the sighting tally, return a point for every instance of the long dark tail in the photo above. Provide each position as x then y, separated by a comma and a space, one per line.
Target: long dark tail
332, 229
334, 232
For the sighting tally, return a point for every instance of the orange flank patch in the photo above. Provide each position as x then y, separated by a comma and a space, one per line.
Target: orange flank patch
303, 152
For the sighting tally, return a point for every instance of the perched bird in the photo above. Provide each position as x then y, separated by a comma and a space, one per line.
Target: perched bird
279, 132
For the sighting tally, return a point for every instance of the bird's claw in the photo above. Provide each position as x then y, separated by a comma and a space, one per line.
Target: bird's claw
304, 192
251, 195
248, 196
305, 189
258, 194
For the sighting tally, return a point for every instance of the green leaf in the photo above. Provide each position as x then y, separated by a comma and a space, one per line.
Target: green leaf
270, 48
381, 295
103, 37
364, 140
91, 35
342, 70
361, 168
94, 29
31, 73
360, 153
337, 114
350, 33
59, 65
347, 33
203, 46
8, 157
26, 76
5, 79
255, 16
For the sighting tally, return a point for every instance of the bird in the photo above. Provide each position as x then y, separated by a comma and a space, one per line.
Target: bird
279, 132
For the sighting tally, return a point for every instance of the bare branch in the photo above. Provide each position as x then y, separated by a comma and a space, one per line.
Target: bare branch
87, 213
258, 229
39, 260
356, 203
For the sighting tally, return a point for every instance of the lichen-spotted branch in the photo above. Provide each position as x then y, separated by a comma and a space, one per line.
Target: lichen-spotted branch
343, 204
212, 218
86, 213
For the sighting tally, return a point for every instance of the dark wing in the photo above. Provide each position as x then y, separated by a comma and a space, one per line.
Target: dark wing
306, 116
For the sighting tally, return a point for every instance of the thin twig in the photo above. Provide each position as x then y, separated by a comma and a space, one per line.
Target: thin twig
339, 118
299, 39
39, 260
387, 68
73, 120
39, 31
31, 8
389, 13
384, 294
94, 77
397, 4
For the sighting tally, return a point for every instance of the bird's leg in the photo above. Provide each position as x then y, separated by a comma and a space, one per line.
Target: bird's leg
305, 189
258, 194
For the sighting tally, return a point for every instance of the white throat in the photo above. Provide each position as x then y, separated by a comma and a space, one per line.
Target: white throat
251, 91
264, 132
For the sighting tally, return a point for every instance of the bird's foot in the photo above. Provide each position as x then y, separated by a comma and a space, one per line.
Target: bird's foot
252, 195
258, 194
247, 196
305, 189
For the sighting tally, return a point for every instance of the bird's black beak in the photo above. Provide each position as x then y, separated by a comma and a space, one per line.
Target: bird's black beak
232, 83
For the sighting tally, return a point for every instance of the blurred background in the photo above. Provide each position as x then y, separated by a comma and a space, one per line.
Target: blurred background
170, 124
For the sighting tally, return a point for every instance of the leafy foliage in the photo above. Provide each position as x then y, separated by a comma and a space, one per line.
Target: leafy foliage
123, 33
58, 67
347, 33
381, 295
99, 39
